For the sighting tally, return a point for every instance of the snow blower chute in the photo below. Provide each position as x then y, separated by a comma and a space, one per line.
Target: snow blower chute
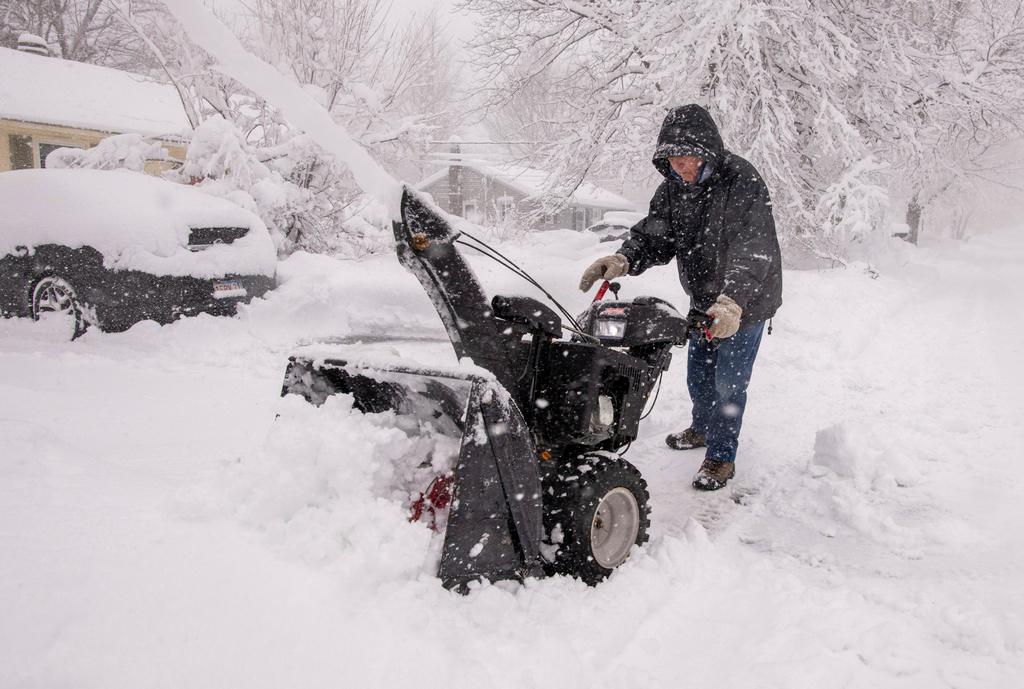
540, 485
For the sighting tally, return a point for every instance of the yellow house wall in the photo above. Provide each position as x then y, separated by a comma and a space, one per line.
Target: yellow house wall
68, 136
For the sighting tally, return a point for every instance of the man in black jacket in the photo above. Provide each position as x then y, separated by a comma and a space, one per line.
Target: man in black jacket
714, 216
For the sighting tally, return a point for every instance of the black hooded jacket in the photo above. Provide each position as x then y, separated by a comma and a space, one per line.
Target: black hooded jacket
720, 230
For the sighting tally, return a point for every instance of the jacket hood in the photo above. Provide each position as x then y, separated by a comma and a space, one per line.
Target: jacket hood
688, 130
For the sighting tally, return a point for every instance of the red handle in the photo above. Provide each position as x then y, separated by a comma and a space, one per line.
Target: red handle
602, 290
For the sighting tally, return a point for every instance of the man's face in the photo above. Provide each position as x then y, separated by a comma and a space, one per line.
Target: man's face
687, 167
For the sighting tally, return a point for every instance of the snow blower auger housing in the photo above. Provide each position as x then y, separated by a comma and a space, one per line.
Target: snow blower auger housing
539, 486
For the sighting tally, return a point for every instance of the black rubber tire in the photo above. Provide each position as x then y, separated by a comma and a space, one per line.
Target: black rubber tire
77, 308
571, 499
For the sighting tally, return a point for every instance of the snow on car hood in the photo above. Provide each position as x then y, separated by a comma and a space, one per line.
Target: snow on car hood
137, 222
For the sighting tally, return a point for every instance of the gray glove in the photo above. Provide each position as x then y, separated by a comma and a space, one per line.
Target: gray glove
727, 315
605, 268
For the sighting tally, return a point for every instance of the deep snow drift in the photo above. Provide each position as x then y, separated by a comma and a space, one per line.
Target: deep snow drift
159, 527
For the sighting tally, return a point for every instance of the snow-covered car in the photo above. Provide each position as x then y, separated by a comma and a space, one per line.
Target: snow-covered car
111, 248
615, 225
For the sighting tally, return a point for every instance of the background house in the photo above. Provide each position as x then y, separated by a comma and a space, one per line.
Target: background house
48, 103
489, 193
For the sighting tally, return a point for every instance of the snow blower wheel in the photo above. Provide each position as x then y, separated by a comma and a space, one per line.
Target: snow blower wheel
594, 514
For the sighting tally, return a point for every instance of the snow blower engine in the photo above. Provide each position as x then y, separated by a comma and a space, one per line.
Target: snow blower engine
540, 486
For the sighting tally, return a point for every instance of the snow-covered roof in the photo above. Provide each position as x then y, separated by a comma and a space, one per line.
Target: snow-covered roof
530, 181
49, 90
136, 221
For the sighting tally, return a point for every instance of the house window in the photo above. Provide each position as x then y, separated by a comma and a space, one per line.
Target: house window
21, 152
46, 149
470, 211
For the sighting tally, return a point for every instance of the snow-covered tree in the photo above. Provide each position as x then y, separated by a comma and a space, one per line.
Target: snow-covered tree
391, 87
81, 30
531, 116
829, 98
965, 114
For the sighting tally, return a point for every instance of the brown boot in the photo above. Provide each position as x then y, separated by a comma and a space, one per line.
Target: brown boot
713, 474
686, 440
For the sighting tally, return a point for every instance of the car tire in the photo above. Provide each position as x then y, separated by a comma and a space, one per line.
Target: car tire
53, 295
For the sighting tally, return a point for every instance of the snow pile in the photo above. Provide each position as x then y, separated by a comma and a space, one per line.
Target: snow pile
834, 449
850, 455
334, 486
853, 482
135, 221
320, 297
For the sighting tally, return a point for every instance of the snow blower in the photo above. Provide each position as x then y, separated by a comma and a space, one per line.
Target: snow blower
539, 486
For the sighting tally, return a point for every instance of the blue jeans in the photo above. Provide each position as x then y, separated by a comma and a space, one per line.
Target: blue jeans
718, 380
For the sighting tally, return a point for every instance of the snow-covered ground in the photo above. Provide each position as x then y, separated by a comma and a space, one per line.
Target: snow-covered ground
159, 527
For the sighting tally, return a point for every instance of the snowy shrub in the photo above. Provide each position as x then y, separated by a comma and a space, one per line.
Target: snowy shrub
221, 163
293, 187
853, 206
218, 151
514, 225
353, 230
128, 151
850, 221
339, 219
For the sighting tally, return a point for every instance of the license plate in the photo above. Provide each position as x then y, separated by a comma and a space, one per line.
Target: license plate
228, 289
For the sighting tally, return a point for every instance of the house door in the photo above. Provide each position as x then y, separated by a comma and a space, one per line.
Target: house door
471, 212
579, 219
